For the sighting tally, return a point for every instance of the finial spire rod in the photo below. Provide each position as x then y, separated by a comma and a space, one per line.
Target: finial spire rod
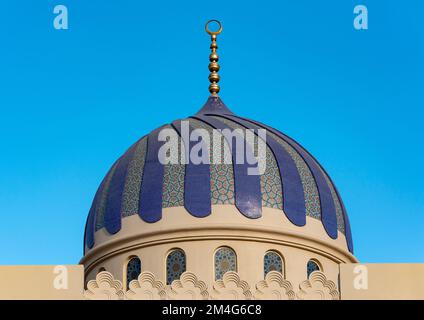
213, 58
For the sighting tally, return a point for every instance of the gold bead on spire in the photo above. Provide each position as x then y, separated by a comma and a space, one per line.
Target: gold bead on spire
213, 58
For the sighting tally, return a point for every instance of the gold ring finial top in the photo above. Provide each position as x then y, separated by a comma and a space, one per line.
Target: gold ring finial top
213, 32
213, 58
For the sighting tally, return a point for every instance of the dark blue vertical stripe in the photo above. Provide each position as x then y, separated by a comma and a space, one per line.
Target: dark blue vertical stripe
293, 195
150, 205
328, 209
197, 179
91, 220
94, 210
247, 188
116, 189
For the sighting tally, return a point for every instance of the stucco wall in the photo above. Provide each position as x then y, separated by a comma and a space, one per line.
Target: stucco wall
382, 281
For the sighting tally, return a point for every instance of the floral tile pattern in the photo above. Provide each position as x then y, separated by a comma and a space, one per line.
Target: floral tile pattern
225, 260
175, 265
131, 194
272, 262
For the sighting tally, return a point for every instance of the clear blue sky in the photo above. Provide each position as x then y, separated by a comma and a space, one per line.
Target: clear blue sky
72, 101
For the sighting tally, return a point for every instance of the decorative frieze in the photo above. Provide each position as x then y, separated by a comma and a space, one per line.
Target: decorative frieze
146, 287
274, 287
188, 287
105, 287
230, 287
317, 287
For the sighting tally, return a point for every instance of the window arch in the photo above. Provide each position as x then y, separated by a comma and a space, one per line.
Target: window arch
133, 269
175, 265
273, 262
225, 260
312, 266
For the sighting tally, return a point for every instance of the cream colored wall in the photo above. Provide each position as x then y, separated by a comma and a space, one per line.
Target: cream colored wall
382, 281
42, 282
200, 237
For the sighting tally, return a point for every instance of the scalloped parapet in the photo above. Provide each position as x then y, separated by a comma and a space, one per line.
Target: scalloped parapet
318, 288
231, 287
188, 287
274, 287
146, 287
105, 287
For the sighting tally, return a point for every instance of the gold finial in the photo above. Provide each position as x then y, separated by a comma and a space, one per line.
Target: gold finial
213, 58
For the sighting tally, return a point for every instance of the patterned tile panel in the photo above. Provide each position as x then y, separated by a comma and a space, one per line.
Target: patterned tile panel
339, 212
175, 265
225, 260
133, 269
272, 262
173, 185
100, 215
173, 178
131, 194
311, 267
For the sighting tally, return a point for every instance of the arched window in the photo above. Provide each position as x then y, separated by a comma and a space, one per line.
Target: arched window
175, 265
133, 269
225, 260
311, 267
272, 262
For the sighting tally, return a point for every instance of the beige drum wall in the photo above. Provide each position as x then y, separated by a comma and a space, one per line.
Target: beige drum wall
200, 237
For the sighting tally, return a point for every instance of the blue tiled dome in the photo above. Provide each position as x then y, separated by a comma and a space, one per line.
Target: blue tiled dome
293, 182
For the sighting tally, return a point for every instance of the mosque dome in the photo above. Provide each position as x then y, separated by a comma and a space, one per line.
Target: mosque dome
293, 182
212, 217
